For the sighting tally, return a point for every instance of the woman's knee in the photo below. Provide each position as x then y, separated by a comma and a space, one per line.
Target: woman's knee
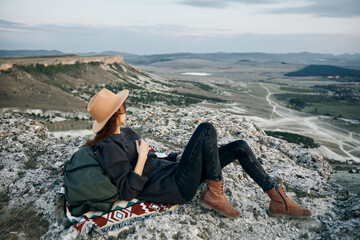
241, 145
207, 127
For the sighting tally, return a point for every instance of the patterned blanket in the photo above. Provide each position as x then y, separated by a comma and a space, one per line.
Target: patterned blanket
123, 213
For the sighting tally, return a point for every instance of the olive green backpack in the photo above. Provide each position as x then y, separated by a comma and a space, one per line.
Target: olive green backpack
86, 184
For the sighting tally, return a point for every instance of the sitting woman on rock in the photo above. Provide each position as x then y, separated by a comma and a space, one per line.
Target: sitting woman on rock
139, 173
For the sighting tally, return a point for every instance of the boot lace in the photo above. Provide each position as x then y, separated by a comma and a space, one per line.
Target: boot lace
284, 192
222, 191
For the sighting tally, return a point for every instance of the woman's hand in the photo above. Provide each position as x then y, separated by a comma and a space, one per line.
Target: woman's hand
142, 147
178, 157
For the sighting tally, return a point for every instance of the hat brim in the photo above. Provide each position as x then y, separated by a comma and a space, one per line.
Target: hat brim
97, 126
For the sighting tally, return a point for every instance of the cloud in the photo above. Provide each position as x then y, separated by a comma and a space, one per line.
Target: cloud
222, 3
166, 39
325, 8
7, 26
320, 8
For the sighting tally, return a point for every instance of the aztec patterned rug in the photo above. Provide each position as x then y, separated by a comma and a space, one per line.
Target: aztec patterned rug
94, 223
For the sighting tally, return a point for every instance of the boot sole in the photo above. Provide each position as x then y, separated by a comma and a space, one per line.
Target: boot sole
218, 211
286, 215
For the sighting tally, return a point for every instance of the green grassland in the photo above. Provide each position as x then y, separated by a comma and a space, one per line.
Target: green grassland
256, 90
338, 110
340, 101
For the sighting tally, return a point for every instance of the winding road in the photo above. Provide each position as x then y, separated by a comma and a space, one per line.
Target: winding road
337, 143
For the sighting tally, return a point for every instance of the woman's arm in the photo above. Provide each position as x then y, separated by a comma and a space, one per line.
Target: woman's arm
117, 166
142, 148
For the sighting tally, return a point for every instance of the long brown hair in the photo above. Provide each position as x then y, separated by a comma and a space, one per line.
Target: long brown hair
109, 128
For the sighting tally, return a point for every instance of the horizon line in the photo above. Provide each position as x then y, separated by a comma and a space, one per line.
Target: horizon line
180, 52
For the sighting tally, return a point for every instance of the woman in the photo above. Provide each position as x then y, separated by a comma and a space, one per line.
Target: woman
138, 173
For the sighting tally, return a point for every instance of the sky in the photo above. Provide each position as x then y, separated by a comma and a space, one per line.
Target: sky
168, 26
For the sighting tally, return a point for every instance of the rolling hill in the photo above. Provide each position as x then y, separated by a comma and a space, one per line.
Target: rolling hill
43, 83
325, 71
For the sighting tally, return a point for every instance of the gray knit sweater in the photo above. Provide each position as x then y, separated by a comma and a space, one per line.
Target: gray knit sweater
118, 157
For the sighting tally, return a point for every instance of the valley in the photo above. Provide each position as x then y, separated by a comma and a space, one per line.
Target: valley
57, 94
253, 90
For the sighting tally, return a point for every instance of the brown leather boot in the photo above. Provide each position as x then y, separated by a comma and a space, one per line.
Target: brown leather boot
215, 198
281, 204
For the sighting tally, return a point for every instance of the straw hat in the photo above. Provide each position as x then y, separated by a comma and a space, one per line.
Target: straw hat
103, 105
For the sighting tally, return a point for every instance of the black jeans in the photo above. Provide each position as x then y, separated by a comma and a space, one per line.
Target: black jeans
202, 160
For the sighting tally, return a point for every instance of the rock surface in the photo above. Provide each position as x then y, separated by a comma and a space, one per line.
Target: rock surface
31, 159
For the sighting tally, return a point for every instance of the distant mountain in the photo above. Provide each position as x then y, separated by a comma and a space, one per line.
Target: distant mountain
325, 70
345, 60
125, 55
306, 58
27, 53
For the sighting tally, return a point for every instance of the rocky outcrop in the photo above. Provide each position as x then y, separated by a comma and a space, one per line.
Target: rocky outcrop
31, 159
7, 63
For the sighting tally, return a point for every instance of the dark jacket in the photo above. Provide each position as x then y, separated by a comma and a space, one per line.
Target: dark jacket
118, 157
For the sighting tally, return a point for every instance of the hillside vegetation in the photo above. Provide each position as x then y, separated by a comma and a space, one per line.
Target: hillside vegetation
68, 87
326, 71
305, 142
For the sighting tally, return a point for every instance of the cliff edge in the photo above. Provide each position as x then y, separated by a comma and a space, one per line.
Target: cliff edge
7, 63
